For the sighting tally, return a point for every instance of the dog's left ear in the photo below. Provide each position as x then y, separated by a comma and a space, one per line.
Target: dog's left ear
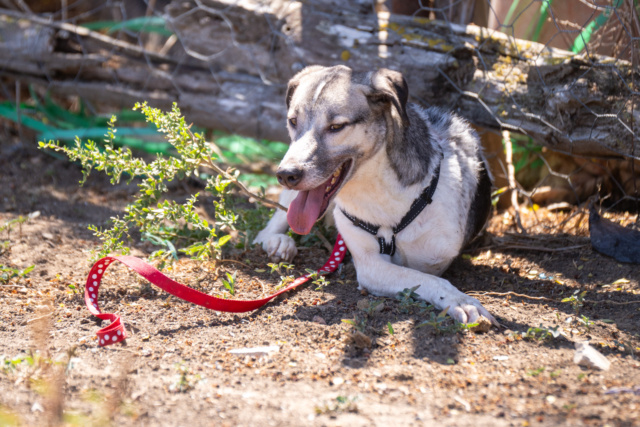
390, 86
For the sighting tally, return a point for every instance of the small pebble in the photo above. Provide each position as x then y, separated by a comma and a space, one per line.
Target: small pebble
483, 325
590, 357
319, 320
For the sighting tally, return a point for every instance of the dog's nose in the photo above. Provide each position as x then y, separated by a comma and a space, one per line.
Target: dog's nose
289, 177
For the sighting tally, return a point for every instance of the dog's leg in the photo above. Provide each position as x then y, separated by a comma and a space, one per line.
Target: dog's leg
382, 278
278, 245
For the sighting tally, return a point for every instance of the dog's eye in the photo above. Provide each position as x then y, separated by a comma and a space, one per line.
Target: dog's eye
293, 122
336, 128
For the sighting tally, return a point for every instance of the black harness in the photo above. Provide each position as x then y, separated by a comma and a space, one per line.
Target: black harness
418, 205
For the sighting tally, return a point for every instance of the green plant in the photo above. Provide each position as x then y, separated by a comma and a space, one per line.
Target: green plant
576, 300
536, 372
390, 328
585, 321
540, 333
277, 268
359, 323
230, 284
318, 279
160, 220
8, 226
162, 254
436, 321
370, 308
342, 404
583, 39
8, 273
409, 301
285, 278
555, 374
185, 381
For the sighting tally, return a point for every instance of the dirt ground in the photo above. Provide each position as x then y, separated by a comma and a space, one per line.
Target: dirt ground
176, 368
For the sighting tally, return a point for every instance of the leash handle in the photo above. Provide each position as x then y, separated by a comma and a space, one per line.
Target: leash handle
116, 332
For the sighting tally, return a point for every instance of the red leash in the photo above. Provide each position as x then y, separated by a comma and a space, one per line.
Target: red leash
115, 332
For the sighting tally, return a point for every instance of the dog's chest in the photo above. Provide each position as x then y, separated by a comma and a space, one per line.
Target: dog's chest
427, 244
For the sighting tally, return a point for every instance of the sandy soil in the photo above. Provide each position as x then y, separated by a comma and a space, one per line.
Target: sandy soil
176, 368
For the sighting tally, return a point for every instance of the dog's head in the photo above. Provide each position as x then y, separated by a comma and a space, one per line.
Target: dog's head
336, 118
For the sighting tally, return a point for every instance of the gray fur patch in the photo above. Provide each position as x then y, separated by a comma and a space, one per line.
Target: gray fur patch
410, 155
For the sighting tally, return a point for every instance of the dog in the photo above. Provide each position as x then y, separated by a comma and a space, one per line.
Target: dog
408, 186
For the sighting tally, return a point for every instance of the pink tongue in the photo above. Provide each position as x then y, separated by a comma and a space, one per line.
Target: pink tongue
305, 210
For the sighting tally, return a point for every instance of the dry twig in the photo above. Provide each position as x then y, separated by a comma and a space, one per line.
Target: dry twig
228, 175
511, 176
548, 299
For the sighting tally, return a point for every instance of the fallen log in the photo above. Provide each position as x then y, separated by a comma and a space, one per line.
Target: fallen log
229, 68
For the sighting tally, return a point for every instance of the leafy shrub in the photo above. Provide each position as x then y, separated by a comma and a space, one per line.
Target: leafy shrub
162, 221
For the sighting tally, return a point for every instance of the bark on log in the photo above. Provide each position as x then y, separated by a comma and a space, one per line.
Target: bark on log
230, 68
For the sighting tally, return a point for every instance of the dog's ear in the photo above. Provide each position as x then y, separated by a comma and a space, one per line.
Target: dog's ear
293, 84
295, 81
390, 86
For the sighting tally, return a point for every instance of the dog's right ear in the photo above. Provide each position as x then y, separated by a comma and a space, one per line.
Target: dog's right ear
390, 86
295, 81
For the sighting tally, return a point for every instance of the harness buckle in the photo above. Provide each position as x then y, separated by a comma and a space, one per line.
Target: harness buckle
387, 248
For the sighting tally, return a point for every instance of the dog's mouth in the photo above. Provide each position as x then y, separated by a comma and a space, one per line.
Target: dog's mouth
312, 204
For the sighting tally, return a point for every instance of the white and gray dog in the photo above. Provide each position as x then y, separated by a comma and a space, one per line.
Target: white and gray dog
408, 186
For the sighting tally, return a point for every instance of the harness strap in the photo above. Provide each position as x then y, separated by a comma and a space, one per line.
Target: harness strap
421, 202
417, 206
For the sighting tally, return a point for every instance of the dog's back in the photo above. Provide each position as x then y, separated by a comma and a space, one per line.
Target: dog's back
458, 135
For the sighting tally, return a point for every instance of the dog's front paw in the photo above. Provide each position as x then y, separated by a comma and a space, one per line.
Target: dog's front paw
465, 309
279, 247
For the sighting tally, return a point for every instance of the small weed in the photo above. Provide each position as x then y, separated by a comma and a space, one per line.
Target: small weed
163, 255
576, 300
185, 381
8, 226
585, 321
555, 374
8, 273
359, 323
318, 279
277, 268
390, 328
342, 404
285, 279
230, 284
11, 365
370, 308
436, 322
410, 300
535, 372
540, 333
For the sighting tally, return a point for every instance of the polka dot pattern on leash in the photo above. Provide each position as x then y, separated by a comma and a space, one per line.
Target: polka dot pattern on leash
115, 331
